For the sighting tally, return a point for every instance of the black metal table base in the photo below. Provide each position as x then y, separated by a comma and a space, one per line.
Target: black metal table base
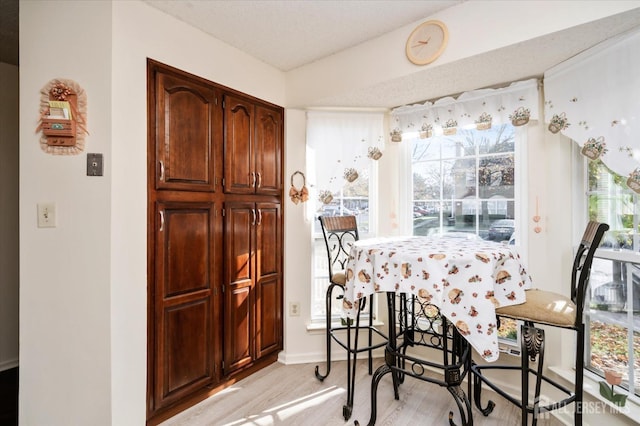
413, 324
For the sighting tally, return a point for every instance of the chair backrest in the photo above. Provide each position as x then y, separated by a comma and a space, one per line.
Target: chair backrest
339, 233
582, 264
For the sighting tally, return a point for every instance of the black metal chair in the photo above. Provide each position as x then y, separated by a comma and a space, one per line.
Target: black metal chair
548, 309
339, 233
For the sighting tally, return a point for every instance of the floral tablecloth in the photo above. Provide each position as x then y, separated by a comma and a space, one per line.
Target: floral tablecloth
466, 279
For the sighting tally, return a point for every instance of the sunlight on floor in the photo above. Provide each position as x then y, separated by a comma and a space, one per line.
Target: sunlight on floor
284, 411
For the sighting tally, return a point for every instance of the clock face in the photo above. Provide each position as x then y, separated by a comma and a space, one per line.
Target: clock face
427, 42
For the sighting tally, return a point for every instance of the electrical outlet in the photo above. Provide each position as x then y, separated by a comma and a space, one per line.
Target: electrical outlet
294, 309
46, 215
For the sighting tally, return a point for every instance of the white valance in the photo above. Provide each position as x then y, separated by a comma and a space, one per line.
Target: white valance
594, 98
519, 100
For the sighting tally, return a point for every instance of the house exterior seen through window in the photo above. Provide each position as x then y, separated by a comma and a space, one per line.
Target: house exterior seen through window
465, 183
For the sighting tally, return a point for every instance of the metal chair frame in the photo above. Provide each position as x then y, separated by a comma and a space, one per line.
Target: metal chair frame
339, 233
533, 345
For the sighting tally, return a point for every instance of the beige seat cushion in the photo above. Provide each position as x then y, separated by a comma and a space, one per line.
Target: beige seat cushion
543, 307
339, 278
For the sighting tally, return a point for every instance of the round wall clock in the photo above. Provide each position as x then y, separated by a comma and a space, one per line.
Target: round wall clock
427, 42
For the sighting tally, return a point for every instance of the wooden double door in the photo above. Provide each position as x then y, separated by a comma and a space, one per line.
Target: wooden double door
214, 237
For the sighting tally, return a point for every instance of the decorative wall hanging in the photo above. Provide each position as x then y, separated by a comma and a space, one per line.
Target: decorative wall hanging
537, 229
63, 109
299, 195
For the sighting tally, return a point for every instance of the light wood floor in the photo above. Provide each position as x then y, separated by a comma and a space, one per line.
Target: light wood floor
291, 395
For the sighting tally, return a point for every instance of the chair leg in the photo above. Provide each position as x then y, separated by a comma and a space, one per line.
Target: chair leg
351, 366
532, 345
579, 375
320, 376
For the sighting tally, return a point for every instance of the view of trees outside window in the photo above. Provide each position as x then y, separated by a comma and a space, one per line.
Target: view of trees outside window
613, 313
465, 183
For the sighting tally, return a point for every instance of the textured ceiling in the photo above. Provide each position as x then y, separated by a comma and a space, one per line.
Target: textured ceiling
290, 33
496, 68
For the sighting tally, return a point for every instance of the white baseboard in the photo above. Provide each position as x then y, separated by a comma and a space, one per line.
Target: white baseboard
8, 364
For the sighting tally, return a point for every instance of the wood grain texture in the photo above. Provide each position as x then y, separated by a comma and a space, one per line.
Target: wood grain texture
291, 395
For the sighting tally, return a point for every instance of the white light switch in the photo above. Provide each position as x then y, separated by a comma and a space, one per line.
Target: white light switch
46, 215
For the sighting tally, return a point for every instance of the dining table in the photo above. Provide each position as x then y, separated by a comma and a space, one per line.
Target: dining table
442, 293
466, 278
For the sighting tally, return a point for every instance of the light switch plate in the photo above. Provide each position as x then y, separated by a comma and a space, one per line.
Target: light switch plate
46, 215
94, 164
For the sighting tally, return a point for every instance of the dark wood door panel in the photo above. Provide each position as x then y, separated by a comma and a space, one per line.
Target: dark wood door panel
268, 247
187, 256
186, 246
239, 222
268, 143
268, 315
238, 330
269, 279
185, 114
239, 163
185, 350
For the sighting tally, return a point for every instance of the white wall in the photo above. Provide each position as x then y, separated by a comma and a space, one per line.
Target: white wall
141, 32
83, 284
9, 277
65, 362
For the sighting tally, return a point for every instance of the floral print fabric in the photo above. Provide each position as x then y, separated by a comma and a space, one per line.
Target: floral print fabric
465, 279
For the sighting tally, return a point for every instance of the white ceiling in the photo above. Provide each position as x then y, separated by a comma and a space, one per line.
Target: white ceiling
290, 33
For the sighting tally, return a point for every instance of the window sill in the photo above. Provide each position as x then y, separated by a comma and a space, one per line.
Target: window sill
631, 410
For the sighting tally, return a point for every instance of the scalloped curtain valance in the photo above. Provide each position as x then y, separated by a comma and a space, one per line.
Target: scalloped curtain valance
517, 101
594, 99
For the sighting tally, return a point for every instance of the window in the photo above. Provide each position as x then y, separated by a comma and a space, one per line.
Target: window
337, 142
465, 183
613, 312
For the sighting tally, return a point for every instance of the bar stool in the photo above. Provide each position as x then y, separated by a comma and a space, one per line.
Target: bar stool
339, 233
554, 310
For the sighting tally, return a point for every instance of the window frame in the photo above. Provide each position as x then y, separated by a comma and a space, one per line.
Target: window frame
520, 181
581, 201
